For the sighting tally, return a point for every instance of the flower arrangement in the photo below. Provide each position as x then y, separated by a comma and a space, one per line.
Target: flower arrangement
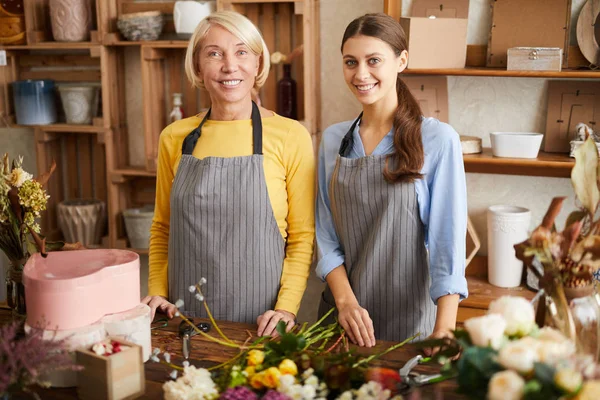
505, 355
24, 359
22, 199
309, 362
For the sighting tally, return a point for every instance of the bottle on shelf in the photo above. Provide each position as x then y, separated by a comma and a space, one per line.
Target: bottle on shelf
177, 111
287, 104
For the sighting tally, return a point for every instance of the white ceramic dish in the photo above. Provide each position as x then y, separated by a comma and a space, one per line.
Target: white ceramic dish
516, 144
187, 14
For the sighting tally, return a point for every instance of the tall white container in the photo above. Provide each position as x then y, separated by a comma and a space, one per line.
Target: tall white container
507, 226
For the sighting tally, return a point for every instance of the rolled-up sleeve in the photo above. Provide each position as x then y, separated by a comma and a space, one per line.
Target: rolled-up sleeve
330, 251
446, 217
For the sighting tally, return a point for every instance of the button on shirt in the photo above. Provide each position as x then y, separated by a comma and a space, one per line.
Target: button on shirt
441, 195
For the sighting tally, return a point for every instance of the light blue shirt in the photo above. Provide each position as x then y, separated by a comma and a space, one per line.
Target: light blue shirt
441, 195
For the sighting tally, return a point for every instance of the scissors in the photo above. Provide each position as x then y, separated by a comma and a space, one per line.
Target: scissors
414, 379
186, 331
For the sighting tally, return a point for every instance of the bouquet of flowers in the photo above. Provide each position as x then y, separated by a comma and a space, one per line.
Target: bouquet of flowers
22, 199
309, 362
505, 355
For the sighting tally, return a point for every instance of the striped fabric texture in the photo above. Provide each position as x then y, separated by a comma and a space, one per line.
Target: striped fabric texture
223, 229
382, 237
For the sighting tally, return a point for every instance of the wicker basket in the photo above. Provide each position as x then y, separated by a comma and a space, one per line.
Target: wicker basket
141, 26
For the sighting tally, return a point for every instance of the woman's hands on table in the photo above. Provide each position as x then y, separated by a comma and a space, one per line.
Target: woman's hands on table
267, 322
161, 304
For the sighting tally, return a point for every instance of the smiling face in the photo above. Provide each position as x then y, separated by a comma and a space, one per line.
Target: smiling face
371, 68
227, 66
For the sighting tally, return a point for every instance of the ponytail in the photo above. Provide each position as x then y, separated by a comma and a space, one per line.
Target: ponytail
408, 156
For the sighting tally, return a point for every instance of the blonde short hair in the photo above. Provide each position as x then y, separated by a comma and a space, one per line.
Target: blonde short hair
238, 25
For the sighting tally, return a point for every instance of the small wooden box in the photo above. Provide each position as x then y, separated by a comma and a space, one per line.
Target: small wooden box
114, 377
534, 59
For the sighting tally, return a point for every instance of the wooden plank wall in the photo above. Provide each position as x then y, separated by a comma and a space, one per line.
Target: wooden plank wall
80, 170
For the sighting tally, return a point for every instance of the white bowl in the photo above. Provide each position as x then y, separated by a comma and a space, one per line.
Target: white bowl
516, 144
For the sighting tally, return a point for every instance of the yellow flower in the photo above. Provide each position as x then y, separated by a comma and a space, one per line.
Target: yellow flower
589, 391
288, 367
255, 357
270, 377
250, 371
568, 380
256, 381
18, 176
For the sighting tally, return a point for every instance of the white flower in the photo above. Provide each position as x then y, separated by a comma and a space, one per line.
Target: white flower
506, 385
18, 177
192, 288
487, 330
195, 383
155, 351
199, 297
179, 303
286, 380
167, 357
554, 346
308, 392
568, 380
517, 312
308, 373
173, 374
154, 359
185, 363
519, 355
312, 381
347, 395
202, 281
99, 349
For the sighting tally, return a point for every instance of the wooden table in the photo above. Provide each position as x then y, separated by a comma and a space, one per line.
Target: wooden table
206, 353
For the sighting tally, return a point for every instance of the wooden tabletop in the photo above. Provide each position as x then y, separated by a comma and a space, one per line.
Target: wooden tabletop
206, 353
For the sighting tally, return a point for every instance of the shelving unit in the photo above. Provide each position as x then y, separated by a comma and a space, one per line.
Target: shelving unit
546, 164
93, 160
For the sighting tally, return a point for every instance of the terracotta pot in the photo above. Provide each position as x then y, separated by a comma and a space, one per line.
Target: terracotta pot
82, 220
71, 20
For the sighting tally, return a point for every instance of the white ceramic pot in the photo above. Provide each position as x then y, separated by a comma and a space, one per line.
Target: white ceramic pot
138, 222
187, 14
516, 144
80, 103
507, 226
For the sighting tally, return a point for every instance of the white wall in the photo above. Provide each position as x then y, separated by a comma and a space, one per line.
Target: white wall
478, 106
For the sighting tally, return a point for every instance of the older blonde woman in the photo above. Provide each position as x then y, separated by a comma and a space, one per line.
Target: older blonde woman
234, 194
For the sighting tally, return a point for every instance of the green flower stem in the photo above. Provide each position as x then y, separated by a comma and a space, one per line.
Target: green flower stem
318, 323
228, 344
227, 362
212, 321
392, 348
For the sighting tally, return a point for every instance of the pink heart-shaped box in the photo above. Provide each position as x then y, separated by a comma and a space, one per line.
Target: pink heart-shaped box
71, 289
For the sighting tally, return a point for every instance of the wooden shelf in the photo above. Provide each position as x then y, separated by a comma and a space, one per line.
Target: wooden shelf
53, 46
481, 293
565, 74
134, 171
547, 164
157, 44
66, 128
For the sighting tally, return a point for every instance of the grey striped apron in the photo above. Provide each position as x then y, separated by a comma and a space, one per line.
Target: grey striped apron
381, 234
223, 229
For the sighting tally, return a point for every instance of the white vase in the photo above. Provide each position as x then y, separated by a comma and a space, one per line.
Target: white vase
507, 226
80, 103
138, 222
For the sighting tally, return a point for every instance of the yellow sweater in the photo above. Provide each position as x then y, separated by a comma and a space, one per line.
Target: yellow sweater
289, 171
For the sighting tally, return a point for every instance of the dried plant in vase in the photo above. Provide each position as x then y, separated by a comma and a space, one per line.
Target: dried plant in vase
22, 199
566, 262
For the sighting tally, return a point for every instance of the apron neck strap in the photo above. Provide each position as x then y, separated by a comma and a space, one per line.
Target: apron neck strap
189, 143
348, 140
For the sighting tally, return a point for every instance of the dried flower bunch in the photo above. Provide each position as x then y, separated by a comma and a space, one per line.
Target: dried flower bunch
25, 358
22, 199
570, 257
309, 362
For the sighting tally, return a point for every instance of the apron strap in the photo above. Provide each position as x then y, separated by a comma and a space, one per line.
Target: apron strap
189, 143
348, 140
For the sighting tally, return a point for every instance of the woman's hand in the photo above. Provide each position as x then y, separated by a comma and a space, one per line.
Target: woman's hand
357, 323
161, 304
267, 322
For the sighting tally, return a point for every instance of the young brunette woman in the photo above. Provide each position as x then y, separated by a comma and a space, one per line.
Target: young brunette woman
391, 208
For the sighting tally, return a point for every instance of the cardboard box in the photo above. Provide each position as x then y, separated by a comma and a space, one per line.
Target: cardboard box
436, 42
534, 59
115, 377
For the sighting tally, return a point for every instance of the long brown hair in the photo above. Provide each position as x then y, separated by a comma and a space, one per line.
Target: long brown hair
408, 156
